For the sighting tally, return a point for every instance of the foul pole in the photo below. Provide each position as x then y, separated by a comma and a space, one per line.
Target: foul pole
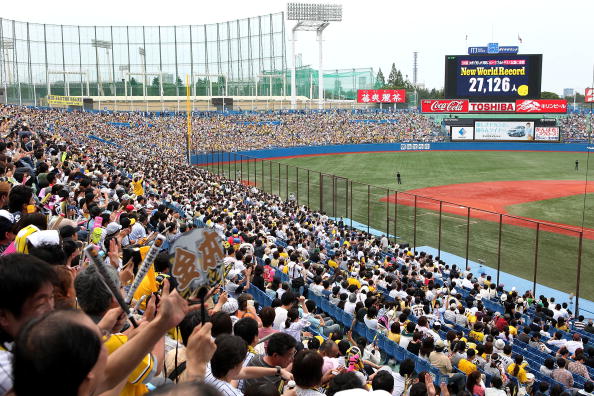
189, 120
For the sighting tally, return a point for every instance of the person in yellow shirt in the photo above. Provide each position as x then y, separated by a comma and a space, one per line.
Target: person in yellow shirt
513, 330
477, 333
466, 365
332, 263
137, 187
95, 300
159, 269
562, 325
283, 254
354, 281
142, 374
394, 333
517, 369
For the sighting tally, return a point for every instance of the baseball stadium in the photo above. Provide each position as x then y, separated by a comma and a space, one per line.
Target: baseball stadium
191, 208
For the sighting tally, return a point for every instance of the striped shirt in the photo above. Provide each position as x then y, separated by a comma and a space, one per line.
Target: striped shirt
223, 387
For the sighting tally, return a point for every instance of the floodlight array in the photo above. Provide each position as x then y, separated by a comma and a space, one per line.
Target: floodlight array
314, 12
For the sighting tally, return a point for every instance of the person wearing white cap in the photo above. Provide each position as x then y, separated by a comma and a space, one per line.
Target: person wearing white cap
112, 228
230, 307
498, 346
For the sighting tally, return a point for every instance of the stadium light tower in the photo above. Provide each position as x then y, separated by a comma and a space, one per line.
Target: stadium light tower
107, 45
311, 17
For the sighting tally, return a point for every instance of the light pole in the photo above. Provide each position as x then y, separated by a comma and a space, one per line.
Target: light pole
311, 17
107, 45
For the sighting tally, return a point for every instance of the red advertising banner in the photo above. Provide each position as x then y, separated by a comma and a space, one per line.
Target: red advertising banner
381, 96
589, 97
444, 106
541, 106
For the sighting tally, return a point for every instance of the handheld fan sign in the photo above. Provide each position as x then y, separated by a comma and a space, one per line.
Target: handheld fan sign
197, 260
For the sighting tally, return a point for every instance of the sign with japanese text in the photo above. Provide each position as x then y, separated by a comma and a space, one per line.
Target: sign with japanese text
504, 130
493, 77
546, 133
541, 106
381, 96
197, 259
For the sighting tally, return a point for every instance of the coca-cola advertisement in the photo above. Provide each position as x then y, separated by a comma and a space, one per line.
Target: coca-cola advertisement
541, 106
381, 96
444, 106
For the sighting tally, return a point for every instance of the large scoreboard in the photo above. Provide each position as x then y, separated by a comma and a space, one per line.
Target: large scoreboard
493, 77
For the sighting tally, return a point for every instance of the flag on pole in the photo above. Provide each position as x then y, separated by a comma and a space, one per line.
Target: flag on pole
519, 38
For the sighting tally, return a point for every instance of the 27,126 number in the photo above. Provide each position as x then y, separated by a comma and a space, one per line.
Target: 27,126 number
490, 84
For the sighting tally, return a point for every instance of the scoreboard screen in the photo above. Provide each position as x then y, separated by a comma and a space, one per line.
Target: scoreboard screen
493, 77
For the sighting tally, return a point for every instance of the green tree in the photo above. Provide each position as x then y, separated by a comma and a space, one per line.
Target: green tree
400, 83
380, 81
548, 95
133, 81
156, 82
396, 80
393, 77
179, 82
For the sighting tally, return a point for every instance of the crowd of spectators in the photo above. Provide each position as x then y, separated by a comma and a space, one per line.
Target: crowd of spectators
308, 306
237, 131
576, 127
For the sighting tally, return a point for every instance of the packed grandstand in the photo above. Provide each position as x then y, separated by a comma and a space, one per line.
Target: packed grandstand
308, 306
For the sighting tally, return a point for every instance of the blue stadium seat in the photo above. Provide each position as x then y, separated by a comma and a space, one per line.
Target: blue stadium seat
360, 329
345, 318
390, 349
369, 334
382, 342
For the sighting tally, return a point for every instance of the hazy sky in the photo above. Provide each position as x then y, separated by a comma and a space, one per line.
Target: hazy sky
376, 33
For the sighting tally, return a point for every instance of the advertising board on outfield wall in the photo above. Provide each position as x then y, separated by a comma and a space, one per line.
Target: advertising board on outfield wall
538, 106
504, 130
462, 132
541, 106
381, 96
514, 131
544, 134
444, 106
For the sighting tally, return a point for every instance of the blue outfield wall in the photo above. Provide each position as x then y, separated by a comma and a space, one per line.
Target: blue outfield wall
287, 152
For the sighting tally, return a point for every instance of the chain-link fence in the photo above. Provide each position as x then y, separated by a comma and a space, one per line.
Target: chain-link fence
512, 249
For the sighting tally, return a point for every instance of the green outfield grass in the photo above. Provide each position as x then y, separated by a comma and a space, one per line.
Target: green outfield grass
555, 259
566, 210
